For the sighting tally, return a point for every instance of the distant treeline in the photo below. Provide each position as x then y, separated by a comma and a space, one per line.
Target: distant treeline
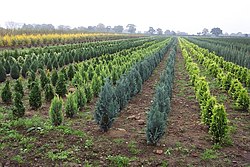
13, 28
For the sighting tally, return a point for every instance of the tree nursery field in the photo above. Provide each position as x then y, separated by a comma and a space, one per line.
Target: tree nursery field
124, 100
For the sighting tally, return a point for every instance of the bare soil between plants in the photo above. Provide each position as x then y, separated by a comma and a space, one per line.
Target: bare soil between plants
184, 143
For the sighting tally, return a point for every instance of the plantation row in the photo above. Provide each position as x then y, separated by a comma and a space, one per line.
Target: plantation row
53, 60
160, 108
213, 114
241, 44
233, 54
87, 77
113, 99
227, 80
53, 39
60, 48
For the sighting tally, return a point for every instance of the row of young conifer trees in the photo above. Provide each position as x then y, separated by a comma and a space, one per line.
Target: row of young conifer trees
158, 114
18, 65
227, 80
88, 77
213, 114
233, 51
113, 98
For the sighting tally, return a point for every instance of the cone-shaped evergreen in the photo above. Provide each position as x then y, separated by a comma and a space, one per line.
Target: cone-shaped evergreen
49, 92
71, 72
24, 70
55, 64
19, 86
55, 111
34, 66
71, 106
122, 92
49, 65
77, 80
243, 100
54, 77
63, 70
44, 80
14, 72
207, 110
132, 84
81, 97
18, 110
96, 84
155, 125
35, 98
218, 126
106, 107
2, 73
61, 88
61, 62
31, 78
7, 67
89, 92
6, 93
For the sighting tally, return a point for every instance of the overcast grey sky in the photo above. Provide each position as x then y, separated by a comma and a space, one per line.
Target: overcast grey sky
179, 15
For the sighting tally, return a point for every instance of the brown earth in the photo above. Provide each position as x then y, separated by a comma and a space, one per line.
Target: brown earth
184, 143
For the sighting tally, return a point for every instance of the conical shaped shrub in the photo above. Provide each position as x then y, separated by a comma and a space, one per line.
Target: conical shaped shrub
156, 125
31, 78
18, 110
18, 87
55, 111
44, 80
71, 106
243, 100
219, 125
61, 88
106, 107
35, 97
7, 67
54, 77
24, 70
15, 72
122, 93
2, 73
49, 92
71, 72
89, 92
96, 84
6, 93
80, 97
206, 112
